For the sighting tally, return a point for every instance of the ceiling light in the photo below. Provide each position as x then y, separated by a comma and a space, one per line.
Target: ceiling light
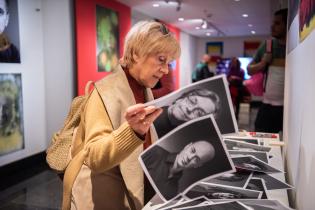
245, 15
204, 24
236, 0
253, 32
250, 25
155, 5
197, 27
181, 19
208, 34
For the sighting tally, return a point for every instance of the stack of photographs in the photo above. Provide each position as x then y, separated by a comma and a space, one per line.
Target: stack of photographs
197, 163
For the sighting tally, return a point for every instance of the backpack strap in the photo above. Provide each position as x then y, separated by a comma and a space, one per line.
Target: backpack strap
268, 50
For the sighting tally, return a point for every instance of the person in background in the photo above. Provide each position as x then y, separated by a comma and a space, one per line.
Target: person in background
167, 168
202, 70
165, 85
236, 78
8, 51
270, 115
106, 173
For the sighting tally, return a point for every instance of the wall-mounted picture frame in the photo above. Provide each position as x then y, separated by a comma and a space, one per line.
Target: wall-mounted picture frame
11, 114
9, 32
306, 18
107, 32
86, 37
214, 48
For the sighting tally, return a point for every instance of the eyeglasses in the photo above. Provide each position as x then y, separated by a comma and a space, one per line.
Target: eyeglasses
164, 30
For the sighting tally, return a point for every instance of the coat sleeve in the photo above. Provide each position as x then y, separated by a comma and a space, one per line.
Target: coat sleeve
105, 147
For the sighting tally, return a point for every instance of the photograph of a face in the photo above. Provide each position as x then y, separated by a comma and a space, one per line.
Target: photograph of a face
107, 32
259, 185
11, 113
236, 179
271, 182
209, 96
263, 156
251, 163
9, 32
192, 202
214, 191
243, 146
190, 153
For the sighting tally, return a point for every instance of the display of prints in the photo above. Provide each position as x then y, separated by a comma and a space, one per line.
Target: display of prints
307, 18
107, 50
9, 32
11, 113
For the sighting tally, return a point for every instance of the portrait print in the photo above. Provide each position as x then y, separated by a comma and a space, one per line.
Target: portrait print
11, 113
263, 156
209, 96
235, 205
190, 153
9, 32
265, 204
271, 182
236, 179
251, 163
107, 50
244, 146
259, 185
213, 191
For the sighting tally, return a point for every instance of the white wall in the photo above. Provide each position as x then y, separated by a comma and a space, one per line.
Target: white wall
33, 85
232, 46
187, 58
47, 69
59, 65
299, 121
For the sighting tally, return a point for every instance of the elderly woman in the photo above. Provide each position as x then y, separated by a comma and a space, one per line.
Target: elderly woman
114, 136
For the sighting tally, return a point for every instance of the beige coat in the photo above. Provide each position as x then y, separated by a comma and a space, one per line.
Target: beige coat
111, 176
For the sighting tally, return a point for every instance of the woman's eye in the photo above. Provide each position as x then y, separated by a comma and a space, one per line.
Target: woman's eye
162, 59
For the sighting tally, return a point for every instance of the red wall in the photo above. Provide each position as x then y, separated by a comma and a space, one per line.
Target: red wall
85, 13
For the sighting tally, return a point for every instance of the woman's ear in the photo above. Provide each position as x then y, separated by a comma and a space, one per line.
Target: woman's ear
135, 57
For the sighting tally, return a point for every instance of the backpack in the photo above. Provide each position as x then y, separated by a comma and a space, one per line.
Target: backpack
58, 153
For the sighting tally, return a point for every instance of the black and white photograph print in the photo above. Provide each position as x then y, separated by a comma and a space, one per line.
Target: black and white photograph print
242, 139
11, 114
209, 96
265, 204
251, 163
259, 185
243, 146
236, 179
263, 156
271, 182
214, 191
192, 202
9, 32
235, 205
190, 153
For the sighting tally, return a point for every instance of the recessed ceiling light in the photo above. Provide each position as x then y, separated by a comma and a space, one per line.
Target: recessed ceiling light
181, 19
155, 5
197, 27
245, 15
236, 0
253, 32
250, 25
208, 34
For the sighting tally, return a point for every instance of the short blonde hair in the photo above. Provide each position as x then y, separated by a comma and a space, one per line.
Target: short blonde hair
148, 38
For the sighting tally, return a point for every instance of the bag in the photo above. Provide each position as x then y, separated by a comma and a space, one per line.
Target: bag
58, 153
255, 84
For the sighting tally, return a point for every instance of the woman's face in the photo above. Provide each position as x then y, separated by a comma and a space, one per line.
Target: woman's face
148, 71
191, 107
4, 16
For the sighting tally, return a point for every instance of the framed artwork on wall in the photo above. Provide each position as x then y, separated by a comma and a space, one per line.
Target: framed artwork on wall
250, 48
107, 33
9, 32
93, 53
306, 18
214, 48
11, 113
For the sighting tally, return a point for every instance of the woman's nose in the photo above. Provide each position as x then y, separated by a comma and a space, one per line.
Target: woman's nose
164, 69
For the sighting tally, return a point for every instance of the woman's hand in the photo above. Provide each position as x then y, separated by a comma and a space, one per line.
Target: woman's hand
140, 117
